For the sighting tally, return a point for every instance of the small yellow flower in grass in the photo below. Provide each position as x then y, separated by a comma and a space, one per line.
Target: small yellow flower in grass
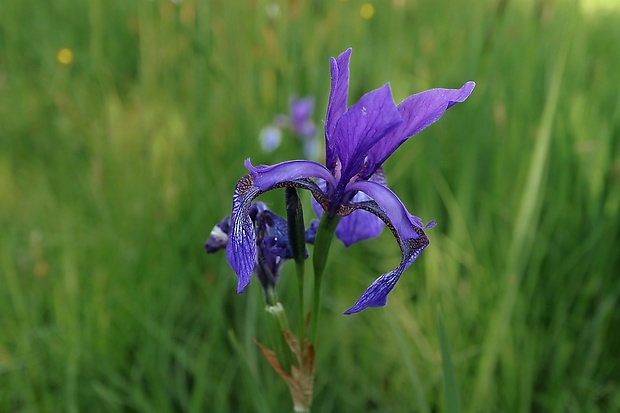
65, 56
367, 11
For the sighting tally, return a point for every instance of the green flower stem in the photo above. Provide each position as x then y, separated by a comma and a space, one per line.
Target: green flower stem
300, 318
271, 295
278, 321
322, 242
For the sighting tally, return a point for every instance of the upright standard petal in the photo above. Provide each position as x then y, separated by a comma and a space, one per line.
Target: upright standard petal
337, 105
418, 111
241, 246
362, 126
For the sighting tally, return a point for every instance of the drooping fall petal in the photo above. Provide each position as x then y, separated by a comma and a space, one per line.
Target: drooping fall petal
376, 295
241, 247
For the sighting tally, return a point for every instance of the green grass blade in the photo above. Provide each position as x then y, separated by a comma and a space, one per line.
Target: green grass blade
451, 390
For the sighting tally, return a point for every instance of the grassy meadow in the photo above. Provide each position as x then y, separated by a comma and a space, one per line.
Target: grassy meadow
123, 130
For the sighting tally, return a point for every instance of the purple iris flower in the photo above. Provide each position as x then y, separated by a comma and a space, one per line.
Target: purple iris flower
299, 121
272, 242
301, 117
351, 184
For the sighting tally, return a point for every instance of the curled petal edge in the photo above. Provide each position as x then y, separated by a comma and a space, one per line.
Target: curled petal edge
400, 220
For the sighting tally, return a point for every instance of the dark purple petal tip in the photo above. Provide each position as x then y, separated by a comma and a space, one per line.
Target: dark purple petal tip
376, 294
241, 255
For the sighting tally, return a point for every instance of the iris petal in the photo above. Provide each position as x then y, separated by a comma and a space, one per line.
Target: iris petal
241, 249
358, 226
361, 225
400, 219
301, 111
418, 111
241, 246
337, 105
362, 126
376, 294
407, 230
267, 177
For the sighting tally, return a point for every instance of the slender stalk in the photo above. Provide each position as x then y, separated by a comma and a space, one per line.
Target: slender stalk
300, 281
277, 323
271, 296
322, 242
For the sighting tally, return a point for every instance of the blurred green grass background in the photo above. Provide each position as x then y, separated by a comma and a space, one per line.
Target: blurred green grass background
115, 166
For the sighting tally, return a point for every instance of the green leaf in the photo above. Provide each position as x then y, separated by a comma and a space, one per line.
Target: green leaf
453, 404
